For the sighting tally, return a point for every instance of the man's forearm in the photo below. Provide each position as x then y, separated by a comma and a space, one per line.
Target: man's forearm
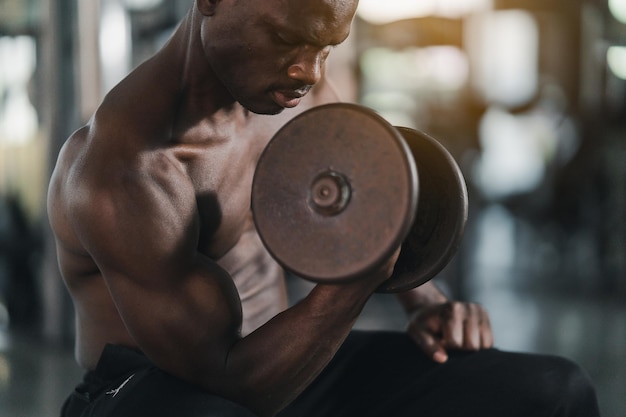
270, 367
426, 294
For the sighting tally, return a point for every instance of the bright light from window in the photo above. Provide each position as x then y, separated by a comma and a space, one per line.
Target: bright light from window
512, 160
458, 8
448, 66
18, 117
618, 9
616, 58
504, 50
379, 11
141, 4
444, 68
114, 43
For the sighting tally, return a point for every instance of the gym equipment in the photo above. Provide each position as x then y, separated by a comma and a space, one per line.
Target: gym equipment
336, 191
439, 224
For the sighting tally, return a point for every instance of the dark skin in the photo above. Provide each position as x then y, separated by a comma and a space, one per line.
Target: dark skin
150, 206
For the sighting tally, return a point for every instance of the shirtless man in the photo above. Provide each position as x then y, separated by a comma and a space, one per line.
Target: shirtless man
150, 206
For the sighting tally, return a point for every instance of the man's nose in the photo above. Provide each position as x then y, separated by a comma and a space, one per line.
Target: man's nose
308, 66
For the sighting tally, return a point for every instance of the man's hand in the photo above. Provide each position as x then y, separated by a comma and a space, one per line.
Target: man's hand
436, 328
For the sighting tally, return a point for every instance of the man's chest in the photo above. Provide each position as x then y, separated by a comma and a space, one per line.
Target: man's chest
222, 172
222, 180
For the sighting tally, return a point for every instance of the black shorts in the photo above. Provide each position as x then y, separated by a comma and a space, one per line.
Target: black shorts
384, 374
374, 374
126, 384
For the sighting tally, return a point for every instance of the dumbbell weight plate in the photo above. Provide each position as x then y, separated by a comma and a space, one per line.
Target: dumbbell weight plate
334, 192
442, 209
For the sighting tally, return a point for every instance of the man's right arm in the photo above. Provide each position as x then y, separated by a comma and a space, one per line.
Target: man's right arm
140, 223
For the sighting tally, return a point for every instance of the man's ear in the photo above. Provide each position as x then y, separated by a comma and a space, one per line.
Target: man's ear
208, 7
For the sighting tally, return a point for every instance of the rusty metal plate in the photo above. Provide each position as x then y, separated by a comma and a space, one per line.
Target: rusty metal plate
441, 214
334, 192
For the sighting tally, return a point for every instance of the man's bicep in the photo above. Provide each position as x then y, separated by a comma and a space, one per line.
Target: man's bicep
142, 234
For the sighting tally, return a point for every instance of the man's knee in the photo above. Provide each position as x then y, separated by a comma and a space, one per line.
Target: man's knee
566, 387
538, 385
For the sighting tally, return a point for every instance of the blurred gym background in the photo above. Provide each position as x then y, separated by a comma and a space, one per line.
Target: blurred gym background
528, 95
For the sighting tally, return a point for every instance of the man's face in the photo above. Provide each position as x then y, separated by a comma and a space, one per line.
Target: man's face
269, 53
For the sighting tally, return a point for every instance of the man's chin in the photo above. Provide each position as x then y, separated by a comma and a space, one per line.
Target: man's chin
276, 104
267, 110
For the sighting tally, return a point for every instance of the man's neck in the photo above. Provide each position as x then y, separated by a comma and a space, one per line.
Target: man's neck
203, 99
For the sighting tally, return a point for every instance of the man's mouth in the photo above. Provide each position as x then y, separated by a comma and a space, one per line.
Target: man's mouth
289, 98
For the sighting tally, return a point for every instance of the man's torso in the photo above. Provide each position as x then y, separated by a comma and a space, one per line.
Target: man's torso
220, 167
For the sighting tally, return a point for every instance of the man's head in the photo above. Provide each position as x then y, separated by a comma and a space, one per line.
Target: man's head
269, 53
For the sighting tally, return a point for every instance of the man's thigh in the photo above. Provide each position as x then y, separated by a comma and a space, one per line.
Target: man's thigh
385, 374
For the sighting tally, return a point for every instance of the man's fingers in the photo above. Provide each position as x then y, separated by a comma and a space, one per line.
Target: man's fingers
473, 327
453, 325
466, 326
426, 333
471, 334
430, 345
486, 335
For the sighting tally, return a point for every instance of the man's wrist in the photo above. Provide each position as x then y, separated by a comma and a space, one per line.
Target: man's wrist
425, 295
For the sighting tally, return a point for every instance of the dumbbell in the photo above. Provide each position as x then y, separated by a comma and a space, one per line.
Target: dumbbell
338, 189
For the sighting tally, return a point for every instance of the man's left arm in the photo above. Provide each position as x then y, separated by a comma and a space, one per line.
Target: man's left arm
438, 325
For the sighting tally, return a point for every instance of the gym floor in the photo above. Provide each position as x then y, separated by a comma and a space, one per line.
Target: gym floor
586, 326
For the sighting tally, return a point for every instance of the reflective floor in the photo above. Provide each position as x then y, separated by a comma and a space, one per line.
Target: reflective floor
530, 311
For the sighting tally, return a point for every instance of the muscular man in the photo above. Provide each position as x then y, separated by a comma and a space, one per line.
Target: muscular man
150, 206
